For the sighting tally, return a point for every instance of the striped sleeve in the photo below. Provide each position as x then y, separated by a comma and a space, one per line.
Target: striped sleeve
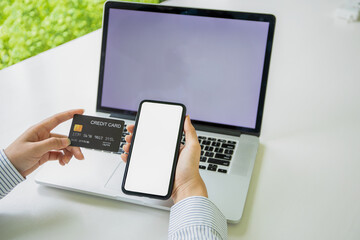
9, 176
196, 218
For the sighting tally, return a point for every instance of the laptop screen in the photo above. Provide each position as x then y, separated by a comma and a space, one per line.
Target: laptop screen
213, 65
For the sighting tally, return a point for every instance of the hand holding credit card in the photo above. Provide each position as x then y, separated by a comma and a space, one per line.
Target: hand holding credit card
96, 133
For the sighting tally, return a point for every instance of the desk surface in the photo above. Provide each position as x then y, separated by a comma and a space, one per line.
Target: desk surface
306, 178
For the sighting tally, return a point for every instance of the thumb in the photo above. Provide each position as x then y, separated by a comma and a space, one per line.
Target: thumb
53, 143
190, 132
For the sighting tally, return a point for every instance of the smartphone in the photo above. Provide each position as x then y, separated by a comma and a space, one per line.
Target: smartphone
154, 151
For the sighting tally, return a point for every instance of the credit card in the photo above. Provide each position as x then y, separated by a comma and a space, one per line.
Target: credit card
96, 133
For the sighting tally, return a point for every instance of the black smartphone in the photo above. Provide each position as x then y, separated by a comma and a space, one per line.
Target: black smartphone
151, 164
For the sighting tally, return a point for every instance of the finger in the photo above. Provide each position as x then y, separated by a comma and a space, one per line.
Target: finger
61, 162
128, 138
182, 147
76, 151
130, 128
190, 132
53, 155
126, 148
57, 135
55, 120
67, 156
49, 144
124, 157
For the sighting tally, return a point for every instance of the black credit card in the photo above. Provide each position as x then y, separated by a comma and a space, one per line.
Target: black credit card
96, 133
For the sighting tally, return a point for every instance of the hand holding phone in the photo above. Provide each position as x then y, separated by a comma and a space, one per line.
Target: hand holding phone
188, 181
150, 171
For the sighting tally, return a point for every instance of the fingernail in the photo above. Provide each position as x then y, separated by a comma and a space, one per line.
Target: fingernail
69, 141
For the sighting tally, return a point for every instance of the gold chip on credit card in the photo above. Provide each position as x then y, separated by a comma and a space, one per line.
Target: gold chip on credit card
78, 128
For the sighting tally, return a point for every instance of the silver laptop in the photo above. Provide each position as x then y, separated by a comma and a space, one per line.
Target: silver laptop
215, 62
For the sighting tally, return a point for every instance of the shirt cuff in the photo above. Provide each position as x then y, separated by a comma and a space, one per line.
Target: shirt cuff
197, 212
9, 176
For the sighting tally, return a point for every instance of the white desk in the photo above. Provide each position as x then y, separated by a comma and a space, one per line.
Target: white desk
307, 174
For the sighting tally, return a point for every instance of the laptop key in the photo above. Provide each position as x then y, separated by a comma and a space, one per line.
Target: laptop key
201, 137
211, 139
228, 151
222, 170
203, 159
209, 154
205, 142
218, 150
228, 146
215, 144
231, 142
202, 167
208, 148
212, 167
223, 156
202, 153
221, 140
219, 162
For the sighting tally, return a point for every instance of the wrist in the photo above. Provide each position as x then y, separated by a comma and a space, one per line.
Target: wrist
13, 159
193, 187
14, 173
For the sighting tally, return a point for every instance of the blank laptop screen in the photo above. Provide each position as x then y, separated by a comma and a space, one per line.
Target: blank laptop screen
212, 65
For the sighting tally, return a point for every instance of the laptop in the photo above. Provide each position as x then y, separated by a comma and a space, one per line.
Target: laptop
214, 62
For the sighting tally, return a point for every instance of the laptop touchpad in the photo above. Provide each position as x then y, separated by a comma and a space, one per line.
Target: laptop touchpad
115, 180
90, 174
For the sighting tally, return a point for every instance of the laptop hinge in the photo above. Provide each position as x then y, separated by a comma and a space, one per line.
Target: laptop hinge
124, 116
231, 132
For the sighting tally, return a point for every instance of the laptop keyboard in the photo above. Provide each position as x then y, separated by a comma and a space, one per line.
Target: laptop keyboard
216, 153
123, 142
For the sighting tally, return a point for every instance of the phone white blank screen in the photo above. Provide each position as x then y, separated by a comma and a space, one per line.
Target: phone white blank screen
154, 148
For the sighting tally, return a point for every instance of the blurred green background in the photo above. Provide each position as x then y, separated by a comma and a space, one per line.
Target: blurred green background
29, 27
